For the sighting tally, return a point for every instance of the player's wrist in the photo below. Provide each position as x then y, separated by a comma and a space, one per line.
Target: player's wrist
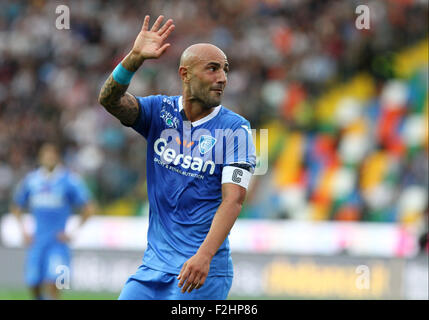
122, 74
133, 61
206, 253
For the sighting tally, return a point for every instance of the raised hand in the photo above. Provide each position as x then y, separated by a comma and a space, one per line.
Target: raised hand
149, 44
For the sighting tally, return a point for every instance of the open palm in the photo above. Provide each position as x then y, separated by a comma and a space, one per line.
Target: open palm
149, 44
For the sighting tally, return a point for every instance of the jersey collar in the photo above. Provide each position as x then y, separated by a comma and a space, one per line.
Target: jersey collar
202, 120
51, 175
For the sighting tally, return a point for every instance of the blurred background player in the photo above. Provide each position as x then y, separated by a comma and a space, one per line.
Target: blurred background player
50, 193
194, 201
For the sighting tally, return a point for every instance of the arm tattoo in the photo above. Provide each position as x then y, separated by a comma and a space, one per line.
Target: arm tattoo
114, 98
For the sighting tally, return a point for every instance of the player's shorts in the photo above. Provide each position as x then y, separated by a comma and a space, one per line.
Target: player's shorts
46, 262
150, 284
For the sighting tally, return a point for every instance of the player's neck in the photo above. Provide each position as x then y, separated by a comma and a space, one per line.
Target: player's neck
194, 109
50, 171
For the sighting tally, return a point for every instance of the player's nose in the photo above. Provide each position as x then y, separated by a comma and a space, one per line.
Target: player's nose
222, 79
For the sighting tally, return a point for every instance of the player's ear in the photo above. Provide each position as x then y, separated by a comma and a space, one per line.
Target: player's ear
184, 74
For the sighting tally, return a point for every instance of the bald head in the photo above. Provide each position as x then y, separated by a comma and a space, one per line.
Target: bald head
203, 70
201, 52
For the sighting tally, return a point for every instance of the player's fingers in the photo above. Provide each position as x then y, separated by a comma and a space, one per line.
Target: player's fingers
196, 284
183, 276
167, 33
157, 23
165, 26
181, 271
189, 282
186, 286
201, 282
192, 286
145, 26
161, 51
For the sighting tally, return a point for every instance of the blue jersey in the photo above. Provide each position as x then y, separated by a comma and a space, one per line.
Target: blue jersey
184, 178
51, 199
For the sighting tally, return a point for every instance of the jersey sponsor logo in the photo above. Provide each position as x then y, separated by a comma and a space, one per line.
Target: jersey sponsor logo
206, 143
171, 156
46, 200
236, 175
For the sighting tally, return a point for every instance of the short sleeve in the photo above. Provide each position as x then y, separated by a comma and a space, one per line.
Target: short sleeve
144, 120
22, 193
240, 149
77, 192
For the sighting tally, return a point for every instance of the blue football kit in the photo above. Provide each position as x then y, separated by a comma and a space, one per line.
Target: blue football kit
50, 198
187, 162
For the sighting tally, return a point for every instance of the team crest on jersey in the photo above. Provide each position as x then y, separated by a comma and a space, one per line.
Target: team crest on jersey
206, 143
170, 120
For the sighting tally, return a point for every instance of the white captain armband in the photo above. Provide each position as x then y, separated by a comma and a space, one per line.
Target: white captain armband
237, 174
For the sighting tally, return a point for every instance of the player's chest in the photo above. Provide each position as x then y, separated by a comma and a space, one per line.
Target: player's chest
47, 194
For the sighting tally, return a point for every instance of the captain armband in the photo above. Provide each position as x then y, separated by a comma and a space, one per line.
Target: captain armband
238, 174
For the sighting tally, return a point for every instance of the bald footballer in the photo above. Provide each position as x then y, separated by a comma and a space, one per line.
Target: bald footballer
200, 158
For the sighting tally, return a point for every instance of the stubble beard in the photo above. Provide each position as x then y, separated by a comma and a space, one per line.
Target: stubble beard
205, 98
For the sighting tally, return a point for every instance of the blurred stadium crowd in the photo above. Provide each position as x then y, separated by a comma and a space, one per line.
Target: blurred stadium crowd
346, 109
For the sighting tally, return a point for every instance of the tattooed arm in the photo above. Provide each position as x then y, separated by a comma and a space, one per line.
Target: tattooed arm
148, 45
115, 98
